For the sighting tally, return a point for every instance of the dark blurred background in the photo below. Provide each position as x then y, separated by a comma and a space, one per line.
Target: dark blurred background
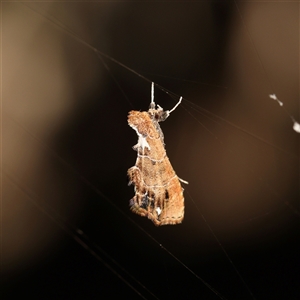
67, 232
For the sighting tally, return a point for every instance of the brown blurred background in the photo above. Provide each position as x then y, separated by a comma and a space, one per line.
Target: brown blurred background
66, 148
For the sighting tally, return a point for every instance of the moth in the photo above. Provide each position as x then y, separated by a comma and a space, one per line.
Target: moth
158, 191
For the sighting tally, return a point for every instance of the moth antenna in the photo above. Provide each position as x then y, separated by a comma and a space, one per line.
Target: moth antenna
169, 111
152, 103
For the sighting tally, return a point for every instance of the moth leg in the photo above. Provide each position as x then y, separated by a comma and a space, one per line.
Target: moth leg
134, 175
137, 203
135, 147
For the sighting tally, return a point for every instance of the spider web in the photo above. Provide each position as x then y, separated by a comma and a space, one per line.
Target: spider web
67, 231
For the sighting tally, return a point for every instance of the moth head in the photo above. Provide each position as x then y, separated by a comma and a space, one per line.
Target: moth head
158, 115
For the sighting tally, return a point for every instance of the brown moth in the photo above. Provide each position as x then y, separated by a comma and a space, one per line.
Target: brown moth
158, 192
